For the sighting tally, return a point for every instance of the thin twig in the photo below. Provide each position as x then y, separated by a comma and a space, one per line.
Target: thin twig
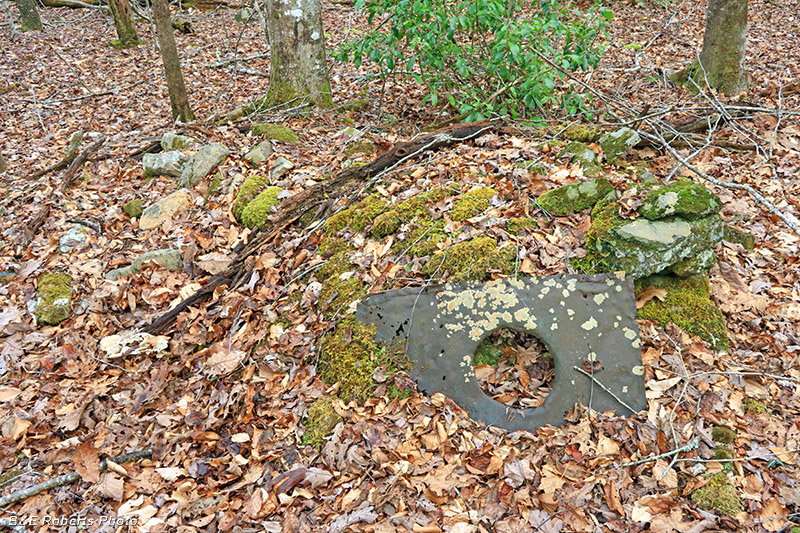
599, 384
689, 446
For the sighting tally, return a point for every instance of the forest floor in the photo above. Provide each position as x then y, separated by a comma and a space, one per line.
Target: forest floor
221, 399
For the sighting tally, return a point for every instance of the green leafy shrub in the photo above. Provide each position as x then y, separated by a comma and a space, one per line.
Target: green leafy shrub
487, 57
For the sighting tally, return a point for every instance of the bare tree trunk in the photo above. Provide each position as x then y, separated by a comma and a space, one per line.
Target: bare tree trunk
172, 66
721, 63
126, 30
29, 15
299, 68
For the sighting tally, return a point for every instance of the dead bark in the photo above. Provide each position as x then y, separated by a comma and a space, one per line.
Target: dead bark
178, 98
317, 197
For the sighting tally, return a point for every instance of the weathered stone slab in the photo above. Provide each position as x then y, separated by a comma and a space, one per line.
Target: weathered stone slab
581, 319
202, 164
168, 258
164, 164
156, 214
175, 141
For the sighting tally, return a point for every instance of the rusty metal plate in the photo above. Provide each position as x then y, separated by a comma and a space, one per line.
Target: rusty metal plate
579, 317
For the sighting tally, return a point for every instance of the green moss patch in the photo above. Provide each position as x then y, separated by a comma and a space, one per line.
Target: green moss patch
687, 305
472, 260
585, 133
423, 239
515, 225
275, 132
575, 197
54, 292
723, 434
133, 208
357, 217
472, 203
321, 418
391, 220
685, 198
755, 406
718, 494
337, 295
256, 213
349, 355
249, 189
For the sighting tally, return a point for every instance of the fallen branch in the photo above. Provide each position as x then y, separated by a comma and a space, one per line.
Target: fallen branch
66, 479
94, 4
72, 151
317, 196
599, 384
689, 446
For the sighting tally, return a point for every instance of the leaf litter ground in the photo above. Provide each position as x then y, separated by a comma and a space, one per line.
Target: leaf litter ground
221, 401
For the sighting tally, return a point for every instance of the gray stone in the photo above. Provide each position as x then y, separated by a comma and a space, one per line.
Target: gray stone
245, 15
75, 237
645, 247
167, 258
698, 264
156, 214
164, 164
202, 164
280, 168
583, 320
618, 142
175, 141
584, 157
260, 152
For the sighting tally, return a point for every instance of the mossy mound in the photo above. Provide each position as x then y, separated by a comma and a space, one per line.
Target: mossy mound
687, 305
575, 197
349, 355
391, 220
249, 189
723, 434
54, 293
515, 225
472, 203
275, 132
718, 494
584, 157
472, 260
256, 213
755, 406
357, 217
358, 149
133, 208
685, 198
337, 293
585, 133
321, 418
618, 142
423, 239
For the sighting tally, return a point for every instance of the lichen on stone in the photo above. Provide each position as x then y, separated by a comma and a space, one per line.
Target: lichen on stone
275, 132
685, 198
249, 189
723, 434
54, 296
718, 494
350, 355
256, 213
738, 236
472, 203
321, 418
688, 306
575, 197
475, 259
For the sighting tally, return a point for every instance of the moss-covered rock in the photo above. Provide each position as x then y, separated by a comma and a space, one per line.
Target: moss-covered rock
391, 220
275, 132
685, 198
423, 238
585, 133
321, 418
337, 295
515, 225
575, 197
687, 305
250, 188
472, 260
618, 142
472, 203
256, 213
584, 157
54, 298
738, 236
349, 355
358, 149
723, 434
357, 217
133, 208
643, 247
718, 494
